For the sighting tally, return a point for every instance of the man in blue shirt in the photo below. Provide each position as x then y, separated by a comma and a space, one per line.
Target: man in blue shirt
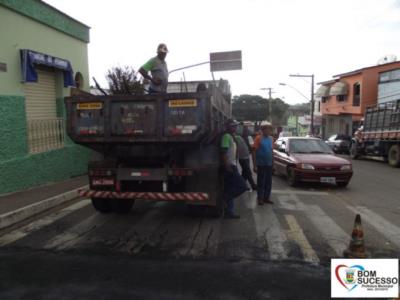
262, 161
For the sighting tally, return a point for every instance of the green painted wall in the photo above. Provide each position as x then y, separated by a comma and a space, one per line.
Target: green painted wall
18, 168
13, 141
48, 15
21, 170
29, 34
52, 166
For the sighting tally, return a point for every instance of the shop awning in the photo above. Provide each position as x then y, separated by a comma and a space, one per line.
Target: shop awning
323, 91
29, 59
338, 88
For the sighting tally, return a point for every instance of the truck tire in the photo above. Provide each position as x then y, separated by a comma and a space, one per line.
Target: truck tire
122, 206
102, 205
394, 156
353, 151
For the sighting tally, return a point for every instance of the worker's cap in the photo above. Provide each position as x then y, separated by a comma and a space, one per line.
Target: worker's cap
162, 48
265, 124
232, 123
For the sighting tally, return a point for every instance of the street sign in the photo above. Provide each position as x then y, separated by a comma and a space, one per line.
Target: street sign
225, 61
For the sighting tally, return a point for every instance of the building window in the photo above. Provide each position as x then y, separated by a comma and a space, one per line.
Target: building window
319, 106
324, 99
341, 98
356, 94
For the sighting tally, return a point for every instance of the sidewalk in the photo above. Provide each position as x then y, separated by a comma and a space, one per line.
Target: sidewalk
17, 206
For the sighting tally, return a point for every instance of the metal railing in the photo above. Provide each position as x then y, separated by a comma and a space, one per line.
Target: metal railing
45, 135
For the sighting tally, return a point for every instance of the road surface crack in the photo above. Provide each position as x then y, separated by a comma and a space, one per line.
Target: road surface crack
194, 238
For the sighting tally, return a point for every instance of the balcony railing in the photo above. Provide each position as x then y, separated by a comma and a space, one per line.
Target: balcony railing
45, 135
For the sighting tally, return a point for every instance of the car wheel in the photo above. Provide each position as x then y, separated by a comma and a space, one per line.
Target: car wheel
342, 184
290, 176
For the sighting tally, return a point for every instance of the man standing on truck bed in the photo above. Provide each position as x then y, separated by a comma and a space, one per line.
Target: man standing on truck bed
234, 184
158, 69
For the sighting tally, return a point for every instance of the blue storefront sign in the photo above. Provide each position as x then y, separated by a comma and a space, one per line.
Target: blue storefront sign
31, 58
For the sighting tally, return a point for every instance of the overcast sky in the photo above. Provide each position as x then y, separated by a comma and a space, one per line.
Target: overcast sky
277, 37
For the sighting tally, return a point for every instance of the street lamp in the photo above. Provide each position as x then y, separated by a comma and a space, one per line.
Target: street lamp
269, 101
312, 97
292, 87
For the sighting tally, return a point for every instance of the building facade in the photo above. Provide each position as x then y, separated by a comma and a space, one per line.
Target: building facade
43, 52
345, 98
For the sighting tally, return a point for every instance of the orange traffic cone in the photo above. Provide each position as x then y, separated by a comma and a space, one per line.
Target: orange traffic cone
356, 248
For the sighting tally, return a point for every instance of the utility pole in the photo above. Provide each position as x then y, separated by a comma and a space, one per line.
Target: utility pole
269, 89
312, 98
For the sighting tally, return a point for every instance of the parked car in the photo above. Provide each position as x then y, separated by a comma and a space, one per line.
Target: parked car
340, 143
310, 160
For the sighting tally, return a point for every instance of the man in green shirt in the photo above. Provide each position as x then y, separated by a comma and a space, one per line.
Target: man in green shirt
158, 69
234, 184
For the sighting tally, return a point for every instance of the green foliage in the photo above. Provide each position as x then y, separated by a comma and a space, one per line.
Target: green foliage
299, 109
123, 81
256, 108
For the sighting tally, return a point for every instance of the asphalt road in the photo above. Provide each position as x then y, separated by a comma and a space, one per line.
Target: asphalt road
167, 251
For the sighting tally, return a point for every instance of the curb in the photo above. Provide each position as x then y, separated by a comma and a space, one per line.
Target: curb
23, 213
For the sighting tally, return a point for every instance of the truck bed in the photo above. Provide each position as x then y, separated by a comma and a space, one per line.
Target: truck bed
145, 119
382, 121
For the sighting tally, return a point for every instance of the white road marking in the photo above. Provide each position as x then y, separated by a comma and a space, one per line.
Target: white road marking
387, 229
268, 228
286, 202
296, 234
297, 192
76, 233
38, 224
335, 236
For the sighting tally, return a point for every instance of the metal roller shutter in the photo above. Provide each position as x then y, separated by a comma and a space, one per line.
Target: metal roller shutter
45, 130
40, 96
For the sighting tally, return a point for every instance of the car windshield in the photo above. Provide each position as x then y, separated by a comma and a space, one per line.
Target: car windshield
308, 146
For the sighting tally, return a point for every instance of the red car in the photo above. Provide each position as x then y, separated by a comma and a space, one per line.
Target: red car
310, 160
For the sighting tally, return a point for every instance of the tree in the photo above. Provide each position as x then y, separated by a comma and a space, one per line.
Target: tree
299, 109
256, 108
123, 81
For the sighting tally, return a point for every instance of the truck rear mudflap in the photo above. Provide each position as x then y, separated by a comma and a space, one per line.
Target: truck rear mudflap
153, 196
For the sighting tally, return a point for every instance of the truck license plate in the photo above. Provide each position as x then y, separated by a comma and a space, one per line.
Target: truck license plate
183, 103
90, 105
328, 180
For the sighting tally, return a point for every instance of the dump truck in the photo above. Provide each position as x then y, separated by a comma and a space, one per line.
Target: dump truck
379, 136
158, 147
